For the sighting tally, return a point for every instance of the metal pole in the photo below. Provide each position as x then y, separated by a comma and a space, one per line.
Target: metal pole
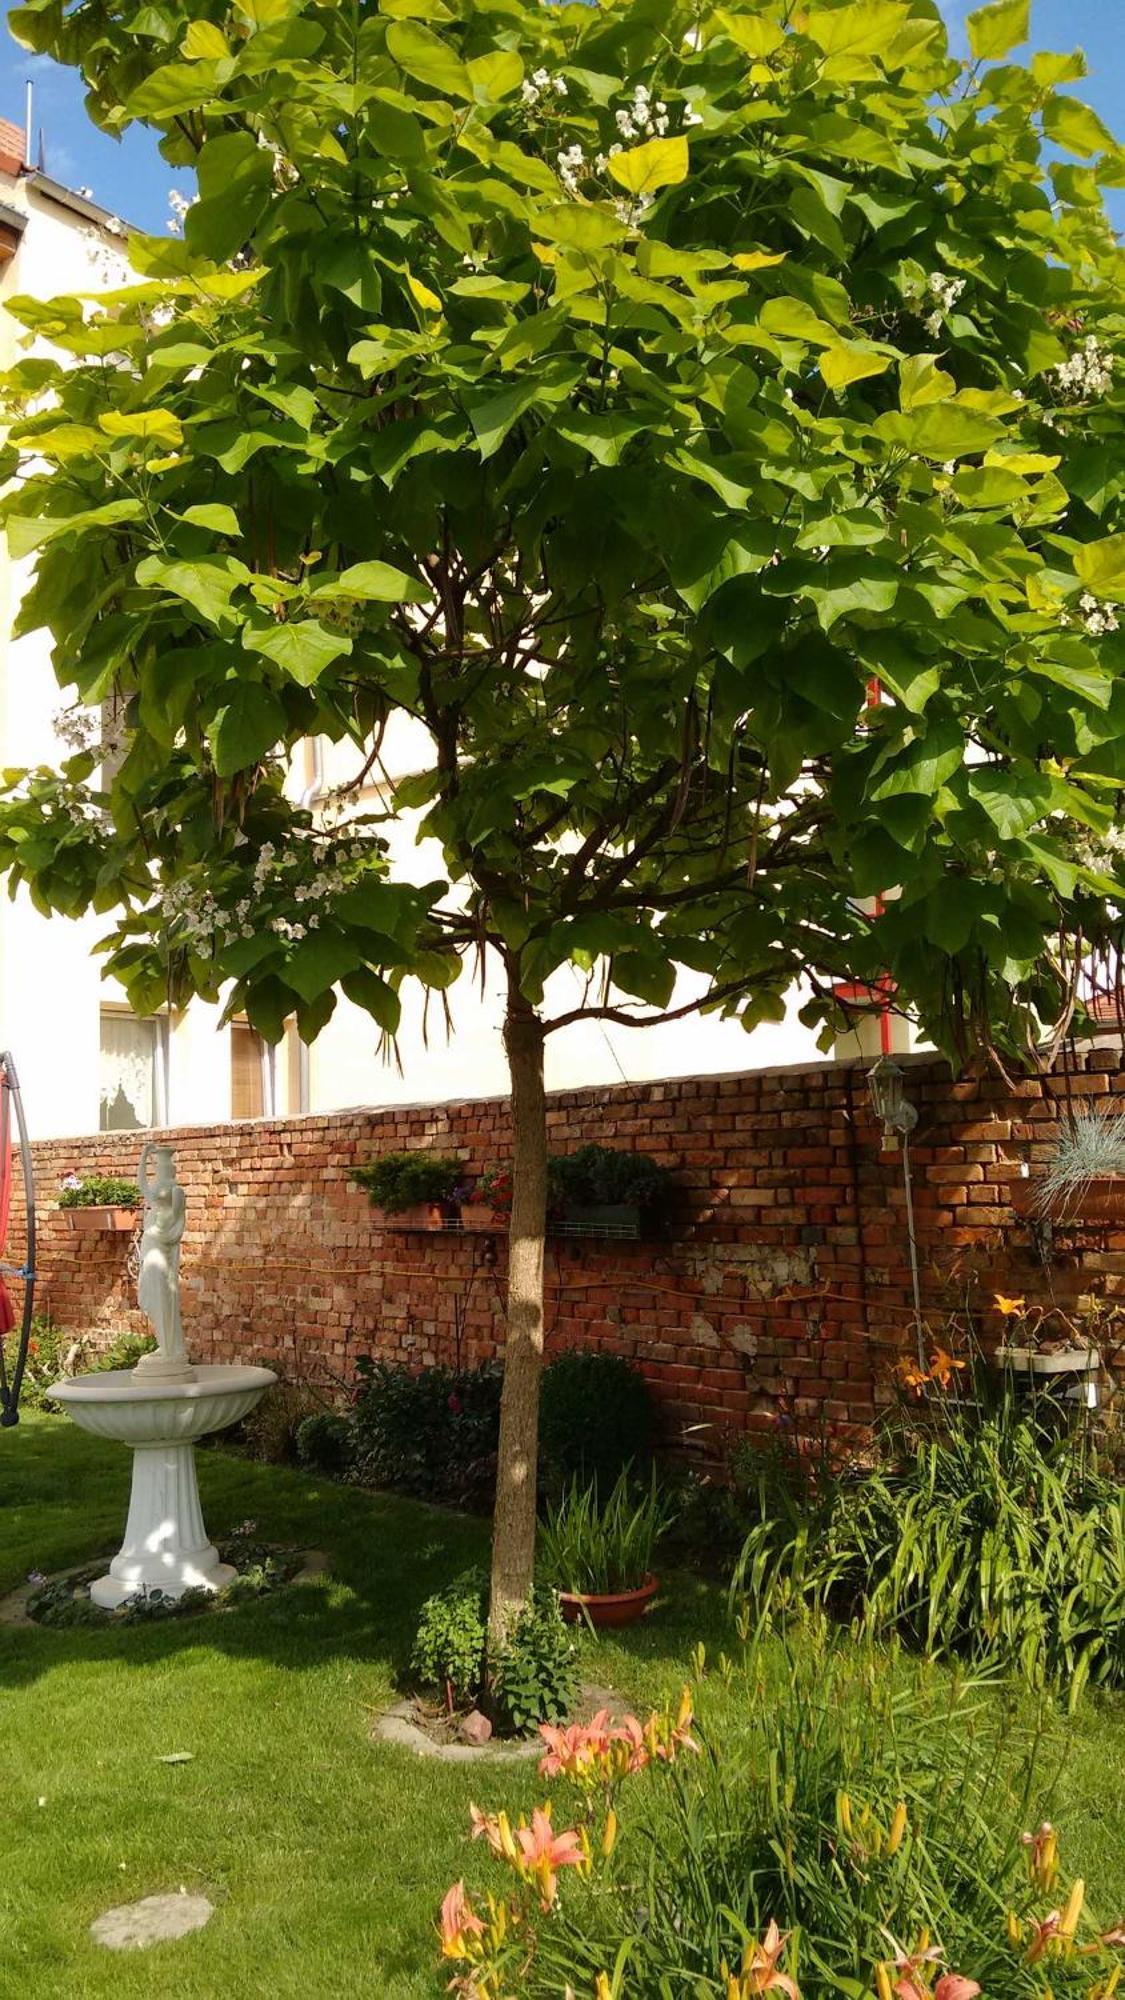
10, 1414
910, 1237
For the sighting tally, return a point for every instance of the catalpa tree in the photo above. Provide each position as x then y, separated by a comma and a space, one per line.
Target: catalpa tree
618, 392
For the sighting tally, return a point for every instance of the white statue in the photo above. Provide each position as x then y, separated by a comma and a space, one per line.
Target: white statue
158, 1287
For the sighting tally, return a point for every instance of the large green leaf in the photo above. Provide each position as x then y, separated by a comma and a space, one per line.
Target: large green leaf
1101, 566
1075, 126
246, 729
996, 29
207, 583
303, 648
656, 164
429, 59
27, 532
371, 583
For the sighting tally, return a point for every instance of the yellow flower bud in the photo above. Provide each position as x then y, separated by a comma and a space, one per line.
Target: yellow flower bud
1015, 1930
602, 1989
609, 1834
1073, 1909
844, 1813
898, 1828
883, 1986
508, 1847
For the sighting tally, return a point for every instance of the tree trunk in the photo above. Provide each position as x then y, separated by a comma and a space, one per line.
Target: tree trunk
513, 1528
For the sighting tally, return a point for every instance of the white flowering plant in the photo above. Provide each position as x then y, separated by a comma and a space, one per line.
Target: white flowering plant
687, 414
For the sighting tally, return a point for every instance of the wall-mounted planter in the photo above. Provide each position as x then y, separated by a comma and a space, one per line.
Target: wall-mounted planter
481, 1215
91, 1218
432, 1216
602, 1218
1060, 1361
1100, 1201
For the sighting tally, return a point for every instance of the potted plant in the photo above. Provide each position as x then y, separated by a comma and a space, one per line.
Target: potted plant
100, 1201
599, 1555
603, 1192
489, 1199
1045, 1340
1085, 1177
420, 1190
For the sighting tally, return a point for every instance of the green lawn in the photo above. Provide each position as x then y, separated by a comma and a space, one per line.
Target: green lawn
326, 1856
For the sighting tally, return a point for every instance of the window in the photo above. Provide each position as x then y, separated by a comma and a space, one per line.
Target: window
251, 1073
132, 1071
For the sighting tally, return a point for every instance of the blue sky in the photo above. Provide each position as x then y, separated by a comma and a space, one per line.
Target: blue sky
131, 178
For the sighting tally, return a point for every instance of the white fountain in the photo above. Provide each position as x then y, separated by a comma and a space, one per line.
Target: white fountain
159, 1408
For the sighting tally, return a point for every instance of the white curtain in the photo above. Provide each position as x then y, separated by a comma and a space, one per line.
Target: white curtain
128, 1063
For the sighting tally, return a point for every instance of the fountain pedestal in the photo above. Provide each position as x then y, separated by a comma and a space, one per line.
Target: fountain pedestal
165, 1546
159, 1408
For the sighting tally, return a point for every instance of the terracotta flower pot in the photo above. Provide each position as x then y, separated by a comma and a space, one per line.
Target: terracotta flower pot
623, 1607
1101, 1200
96, 1218
478, 1215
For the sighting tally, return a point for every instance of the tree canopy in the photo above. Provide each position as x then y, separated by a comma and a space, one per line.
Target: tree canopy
620, 391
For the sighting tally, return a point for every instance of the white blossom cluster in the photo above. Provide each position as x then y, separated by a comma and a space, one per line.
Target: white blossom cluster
946, 291
1096, 618
1102, 851
572, 168
77, 727
542, 84
178, 205
1088, 372
642, 118
200, 920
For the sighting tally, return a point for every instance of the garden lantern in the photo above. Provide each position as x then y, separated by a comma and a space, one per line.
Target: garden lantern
889, 1101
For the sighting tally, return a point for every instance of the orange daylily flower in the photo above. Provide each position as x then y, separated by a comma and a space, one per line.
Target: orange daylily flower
1042, 1856
760, 1970
1009, 1307
943, 1366
543, 1851
910, 1375
1043, 1936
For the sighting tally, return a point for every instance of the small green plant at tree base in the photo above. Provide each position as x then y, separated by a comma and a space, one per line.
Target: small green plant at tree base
595, 1418
99, 1191
535, 1677
449, 1645
596, 1547
398, 1181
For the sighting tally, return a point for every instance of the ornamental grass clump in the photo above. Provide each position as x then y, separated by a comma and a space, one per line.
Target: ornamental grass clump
995, 1538
867, 1838
1090, 1146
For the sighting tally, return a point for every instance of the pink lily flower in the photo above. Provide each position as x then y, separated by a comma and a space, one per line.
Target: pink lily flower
952, 1986
543, 1851
1043, 1934
458, 1921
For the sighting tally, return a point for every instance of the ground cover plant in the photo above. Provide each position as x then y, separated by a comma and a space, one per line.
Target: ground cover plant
327, 1858
991, 1532
617, 393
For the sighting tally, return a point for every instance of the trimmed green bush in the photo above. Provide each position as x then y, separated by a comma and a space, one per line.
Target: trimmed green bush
595, 1418
398, 1181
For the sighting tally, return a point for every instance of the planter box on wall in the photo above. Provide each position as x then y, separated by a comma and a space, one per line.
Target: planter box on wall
1101, 1200
117, 1220
598, 1218
1063, 1361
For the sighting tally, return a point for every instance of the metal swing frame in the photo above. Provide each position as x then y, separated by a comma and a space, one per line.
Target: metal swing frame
11, 1100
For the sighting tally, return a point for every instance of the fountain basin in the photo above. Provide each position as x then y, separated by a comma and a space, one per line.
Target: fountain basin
166, 1546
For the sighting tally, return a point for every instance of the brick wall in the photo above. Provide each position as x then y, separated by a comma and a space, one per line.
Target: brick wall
786, 1284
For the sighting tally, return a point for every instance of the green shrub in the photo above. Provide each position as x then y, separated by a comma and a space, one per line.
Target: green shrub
99, 1191
432, 1432
270, 1431
597, 1175
994, 1537
449, 1647
595, 1546
535, 1678
397, 1181
595, 1419
324, 1443
124, 1351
